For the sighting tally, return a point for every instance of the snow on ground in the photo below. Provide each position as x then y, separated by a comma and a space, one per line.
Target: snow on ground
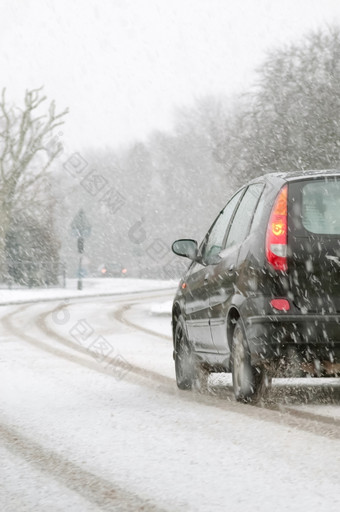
91, 287
26, 488
79, 440
163, 308
157, 449
155, 316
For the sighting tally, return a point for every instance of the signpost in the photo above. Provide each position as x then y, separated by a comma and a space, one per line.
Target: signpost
81, 229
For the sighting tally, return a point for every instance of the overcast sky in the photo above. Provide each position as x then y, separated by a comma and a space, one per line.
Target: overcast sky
122, 66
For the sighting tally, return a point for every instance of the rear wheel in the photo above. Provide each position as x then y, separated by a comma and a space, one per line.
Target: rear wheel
184, 358
249, 382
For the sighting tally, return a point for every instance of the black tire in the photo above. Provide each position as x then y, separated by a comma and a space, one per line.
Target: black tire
249, 382
184, 358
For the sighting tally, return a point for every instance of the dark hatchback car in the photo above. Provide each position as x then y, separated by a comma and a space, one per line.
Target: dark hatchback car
262, 292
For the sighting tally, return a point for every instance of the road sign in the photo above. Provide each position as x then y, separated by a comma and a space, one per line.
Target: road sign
80, 226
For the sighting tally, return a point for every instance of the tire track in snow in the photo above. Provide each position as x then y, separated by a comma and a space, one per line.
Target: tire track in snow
88, 361
97, 490
120, 316
280, 414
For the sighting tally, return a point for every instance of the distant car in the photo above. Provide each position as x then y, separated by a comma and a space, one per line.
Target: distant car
112, 270
262, 291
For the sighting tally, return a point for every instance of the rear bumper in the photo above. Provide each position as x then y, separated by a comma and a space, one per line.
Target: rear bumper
269, 336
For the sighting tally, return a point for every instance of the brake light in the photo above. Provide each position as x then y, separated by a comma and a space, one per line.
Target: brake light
276, 239
280, 304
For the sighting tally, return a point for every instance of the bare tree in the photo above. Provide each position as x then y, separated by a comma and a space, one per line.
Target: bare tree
27, 150
294, 122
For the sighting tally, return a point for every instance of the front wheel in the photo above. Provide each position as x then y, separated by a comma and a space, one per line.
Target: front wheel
249, 382
184, 358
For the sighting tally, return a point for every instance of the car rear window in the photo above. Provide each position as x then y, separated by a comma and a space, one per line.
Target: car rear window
321, 207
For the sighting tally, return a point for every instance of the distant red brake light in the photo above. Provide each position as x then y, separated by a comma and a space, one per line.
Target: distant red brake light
276, 239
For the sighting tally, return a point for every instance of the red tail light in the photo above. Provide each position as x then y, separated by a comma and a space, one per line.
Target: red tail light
276, 240
280, 304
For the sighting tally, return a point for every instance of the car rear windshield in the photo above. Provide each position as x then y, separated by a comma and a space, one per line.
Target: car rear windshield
321, 207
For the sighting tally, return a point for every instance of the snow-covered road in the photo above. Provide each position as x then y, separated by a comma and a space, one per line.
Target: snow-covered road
91, 419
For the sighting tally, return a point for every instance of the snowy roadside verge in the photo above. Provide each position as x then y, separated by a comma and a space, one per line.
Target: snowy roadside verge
91, 288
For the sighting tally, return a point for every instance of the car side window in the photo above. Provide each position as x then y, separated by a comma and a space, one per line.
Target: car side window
241, 223
258, 212
214, 240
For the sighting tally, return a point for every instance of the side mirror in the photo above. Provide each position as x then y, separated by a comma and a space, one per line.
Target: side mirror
187, 248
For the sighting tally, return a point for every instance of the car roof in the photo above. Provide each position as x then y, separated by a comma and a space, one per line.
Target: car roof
278, 178
298, 175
